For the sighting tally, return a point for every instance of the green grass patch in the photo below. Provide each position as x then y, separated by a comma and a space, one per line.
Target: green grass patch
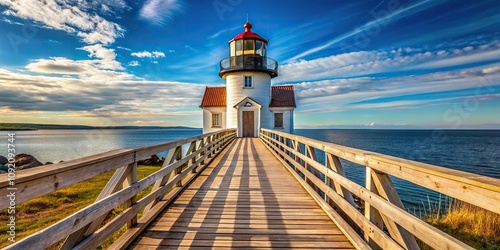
42, 212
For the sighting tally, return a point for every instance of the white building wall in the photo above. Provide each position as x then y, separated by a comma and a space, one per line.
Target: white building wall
287, 119
261, 93
207, 119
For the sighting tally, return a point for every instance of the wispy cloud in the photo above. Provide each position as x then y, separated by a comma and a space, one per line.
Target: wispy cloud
404, 92
378, 22
70, 17
147, 54
159, 11
133, 64
217, 34
362, 63
101, 66
123, 48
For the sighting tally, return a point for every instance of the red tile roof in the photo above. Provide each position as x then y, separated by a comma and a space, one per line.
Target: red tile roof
214, 97
282, 96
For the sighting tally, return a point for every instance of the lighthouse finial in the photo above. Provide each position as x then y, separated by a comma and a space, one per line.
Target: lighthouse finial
247, 17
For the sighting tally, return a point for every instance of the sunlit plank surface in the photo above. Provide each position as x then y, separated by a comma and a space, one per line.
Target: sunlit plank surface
245, 199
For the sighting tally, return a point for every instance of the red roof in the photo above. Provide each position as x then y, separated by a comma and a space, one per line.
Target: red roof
214, 97
282, 96
248, 34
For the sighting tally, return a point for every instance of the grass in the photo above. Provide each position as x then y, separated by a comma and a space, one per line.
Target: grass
42, 212
470, 224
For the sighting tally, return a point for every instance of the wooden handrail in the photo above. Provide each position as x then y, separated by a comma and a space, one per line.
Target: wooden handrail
83, 229
383, 208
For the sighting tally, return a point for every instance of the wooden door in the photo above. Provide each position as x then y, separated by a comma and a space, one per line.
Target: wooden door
248, 124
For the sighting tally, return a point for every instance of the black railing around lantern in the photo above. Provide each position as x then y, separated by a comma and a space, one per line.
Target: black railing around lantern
250, 63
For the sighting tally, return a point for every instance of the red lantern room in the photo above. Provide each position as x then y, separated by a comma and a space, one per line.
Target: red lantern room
248, 52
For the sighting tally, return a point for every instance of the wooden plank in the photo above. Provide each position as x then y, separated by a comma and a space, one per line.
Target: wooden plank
45, 179
112, 186
355, 239
414, 225
147, 218
231, 200
386, 189
478, 190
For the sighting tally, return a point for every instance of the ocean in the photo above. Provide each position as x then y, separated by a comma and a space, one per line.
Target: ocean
476, 151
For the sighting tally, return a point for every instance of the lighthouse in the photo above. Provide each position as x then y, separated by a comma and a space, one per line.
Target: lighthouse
248, 102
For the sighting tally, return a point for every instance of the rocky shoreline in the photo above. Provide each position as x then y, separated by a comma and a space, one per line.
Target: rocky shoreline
27, 161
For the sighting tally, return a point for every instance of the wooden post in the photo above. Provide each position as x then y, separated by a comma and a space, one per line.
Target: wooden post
386, 189
112, 186
131, 179
311, 153
333, 163
192, 149
370, 212
171, 158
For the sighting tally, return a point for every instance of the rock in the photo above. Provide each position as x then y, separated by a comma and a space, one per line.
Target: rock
25, 161
3, 160
153, 160
3, 169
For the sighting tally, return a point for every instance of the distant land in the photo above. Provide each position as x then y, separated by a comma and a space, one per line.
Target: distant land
31, 126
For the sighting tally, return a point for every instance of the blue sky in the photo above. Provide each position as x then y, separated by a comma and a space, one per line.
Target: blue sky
354, 64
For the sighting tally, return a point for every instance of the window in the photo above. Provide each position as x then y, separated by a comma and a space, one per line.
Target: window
259, 47
216, 117
248, 82
232, 49
239, 47
249, 45
278, 120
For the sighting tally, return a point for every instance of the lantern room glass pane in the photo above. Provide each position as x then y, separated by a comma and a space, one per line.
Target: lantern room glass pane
259, 48
239, 47
249, 44
232, 49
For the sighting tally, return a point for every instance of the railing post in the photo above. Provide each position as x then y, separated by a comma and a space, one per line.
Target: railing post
202, 144
112, 186
385, 188
192, 149
372, 213
311, 153
333, 163
131, 179
171, 158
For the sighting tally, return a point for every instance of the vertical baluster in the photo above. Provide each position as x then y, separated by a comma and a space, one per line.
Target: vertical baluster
385, 188
372, 213
171, 158
131, 179
311, 153
333, 163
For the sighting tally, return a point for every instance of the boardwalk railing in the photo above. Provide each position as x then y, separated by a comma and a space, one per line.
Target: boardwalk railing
384, 211
84, 229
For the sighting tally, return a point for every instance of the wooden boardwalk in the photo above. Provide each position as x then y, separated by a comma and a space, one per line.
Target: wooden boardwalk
244, 199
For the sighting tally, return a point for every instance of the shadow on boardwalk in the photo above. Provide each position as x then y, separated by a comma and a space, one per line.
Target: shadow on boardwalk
244, 199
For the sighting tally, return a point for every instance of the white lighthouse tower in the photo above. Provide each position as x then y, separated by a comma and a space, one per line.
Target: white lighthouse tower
248, 102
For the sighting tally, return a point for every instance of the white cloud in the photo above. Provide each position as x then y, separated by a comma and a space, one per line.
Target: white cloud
133, 64
371, 62
87, 98
84, 69
147, 54
157, 11
101, 66
123, 48
379, 22
393, 93
70, 17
